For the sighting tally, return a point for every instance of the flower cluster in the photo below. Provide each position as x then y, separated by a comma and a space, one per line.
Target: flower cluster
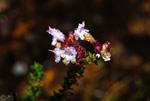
103, 50
70, 50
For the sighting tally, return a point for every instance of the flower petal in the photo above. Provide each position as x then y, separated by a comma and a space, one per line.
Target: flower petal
56, 33
54, 41
57, 58
73, 61
80, 31
66, 62
58, 51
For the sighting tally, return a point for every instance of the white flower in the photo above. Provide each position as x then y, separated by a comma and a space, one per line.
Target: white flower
69, 55
80, 32
106, 56
57, 35
58, 53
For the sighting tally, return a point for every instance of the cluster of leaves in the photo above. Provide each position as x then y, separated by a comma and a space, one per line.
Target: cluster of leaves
73, 74
90, 59
34, 86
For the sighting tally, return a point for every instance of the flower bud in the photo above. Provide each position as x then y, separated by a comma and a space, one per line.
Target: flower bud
89, 38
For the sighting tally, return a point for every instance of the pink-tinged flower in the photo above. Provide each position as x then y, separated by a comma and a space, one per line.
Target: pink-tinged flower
103, 50
58, 52
70, 55
57, 35
80, 32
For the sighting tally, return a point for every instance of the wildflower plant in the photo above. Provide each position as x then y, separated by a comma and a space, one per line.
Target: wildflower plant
33, 90
70, 51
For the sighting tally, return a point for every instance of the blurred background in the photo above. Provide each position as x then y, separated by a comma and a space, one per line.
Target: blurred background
125, 23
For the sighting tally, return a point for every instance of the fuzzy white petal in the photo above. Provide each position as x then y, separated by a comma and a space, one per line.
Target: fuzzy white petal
80, 31
57, 58
58, 51
76, 35
81, 25
54, 41
56, 33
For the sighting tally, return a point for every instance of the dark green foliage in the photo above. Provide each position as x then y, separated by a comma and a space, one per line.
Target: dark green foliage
34, 86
